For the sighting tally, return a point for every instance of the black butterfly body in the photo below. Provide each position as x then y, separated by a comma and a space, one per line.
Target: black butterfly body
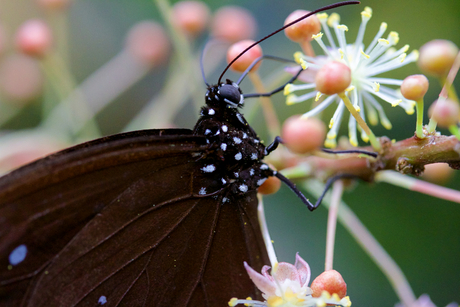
147, 218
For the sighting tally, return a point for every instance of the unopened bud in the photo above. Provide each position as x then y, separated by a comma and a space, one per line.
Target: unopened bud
437, 56
330, 281
191, 16
233, 23
303, 135
304, 29
247, 58
34, 38
148, 42
445, 112
333, 78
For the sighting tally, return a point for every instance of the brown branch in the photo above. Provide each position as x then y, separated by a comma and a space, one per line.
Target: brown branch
408, 156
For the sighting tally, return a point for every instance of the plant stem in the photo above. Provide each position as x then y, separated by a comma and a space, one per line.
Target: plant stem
271, 119
455, 131
432, 125
370, 245
418, 185
265, 233
336, 197
373, 140
419, 124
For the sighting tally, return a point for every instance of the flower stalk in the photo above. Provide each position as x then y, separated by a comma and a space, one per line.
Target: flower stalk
372, 139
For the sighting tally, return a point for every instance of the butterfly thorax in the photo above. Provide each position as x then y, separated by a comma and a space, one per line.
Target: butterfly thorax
234, 160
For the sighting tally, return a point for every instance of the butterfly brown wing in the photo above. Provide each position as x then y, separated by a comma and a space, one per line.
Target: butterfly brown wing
116, 222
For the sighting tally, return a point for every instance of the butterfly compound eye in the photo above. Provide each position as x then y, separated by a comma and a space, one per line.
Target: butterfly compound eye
231, 94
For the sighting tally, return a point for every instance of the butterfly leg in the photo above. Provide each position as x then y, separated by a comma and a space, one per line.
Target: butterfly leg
279, 89
302, 197
274, 145
363, 152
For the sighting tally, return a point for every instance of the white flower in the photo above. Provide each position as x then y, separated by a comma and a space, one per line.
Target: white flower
365, 64
287, 286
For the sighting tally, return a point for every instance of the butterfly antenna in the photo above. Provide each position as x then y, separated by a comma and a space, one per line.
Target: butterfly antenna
327, 7
254, 63
205, 49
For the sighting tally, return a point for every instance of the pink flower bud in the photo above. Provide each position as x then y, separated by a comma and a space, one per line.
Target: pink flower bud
271, 185
330, 281
34, 38
191, 16
246, 59
438, 173
303, 30
303, 135
445, 112
333, 78
437, 56
233, 23
148, 42
54, 4
21, 79
414, 87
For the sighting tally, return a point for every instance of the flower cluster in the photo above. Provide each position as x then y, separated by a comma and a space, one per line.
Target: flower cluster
365, 64
287, 286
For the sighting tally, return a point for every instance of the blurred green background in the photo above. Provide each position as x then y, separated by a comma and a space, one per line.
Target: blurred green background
420, 232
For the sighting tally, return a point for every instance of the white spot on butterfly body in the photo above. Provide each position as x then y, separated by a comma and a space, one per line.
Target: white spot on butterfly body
18, 255
256, 141
261, 181
217, 133
224, 128
231, 104
207, 131
202, 191
208, 168
223, 146
245, 136
224, 200
243, 188
251, 172
254, 156
264, 167
236, 175
211, 112
224, 181
238, 156
240, 118
102, 300
237, 140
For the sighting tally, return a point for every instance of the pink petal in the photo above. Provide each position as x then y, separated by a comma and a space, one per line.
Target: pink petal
266, 272
304, 270
307, 76
286, 271
263, 283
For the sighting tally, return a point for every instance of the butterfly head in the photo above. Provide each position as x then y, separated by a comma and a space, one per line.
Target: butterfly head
226, 95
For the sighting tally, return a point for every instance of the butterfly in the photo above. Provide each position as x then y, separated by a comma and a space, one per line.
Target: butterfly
153, 217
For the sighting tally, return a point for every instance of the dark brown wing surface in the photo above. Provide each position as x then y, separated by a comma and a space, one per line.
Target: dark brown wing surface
117, 222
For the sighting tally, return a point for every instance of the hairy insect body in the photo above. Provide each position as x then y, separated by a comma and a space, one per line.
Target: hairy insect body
235, 158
